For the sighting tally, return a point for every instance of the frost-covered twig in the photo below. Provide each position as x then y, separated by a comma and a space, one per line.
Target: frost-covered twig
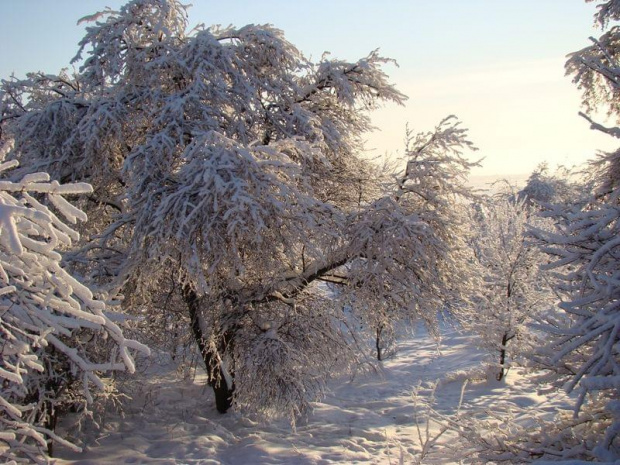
45, 314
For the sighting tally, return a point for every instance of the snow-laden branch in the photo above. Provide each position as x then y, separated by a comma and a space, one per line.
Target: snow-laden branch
43, 311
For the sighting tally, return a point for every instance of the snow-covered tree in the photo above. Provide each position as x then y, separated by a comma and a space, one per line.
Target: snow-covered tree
229, 179
543, 187
585, 348
513, 290
405, 243
595, 68
585, 352
50, 323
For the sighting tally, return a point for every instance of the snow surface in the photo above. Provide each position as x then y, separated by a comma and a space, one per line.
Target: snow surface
368, 419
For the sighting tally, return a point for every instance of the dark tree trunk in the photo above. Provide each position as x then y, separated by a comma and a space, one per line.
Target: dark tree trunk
502, 358
47, 416
51, 392
51, 419
217, 380
378, 342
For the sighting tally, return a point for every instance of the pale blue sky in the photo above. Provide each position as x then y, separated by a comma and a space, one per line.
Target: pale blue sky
497, 64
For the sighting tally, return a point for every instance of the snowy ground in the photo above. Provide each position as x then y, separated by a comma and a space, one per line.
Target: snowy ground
368, 419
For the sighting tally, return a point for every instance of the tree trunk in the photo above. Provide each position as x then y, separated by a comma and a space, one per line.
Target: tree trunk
502, 357
378, 342
51, 419
217, 379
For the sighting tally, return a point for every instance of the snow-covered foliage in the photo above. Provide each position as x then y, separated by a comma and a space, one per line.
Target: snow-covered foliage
405, 244
513, 292
581, 351
229, 180
608, 10
50, 323
584, 350
543, 187
595, 68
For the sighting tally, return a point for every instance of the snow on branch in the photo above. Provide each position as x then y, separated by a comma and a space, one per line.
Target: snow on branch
607, 11
596, 72
584, 350
43, 311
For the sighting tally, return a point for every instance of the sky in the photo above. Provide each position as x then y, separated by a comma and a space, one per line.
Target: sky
498, 65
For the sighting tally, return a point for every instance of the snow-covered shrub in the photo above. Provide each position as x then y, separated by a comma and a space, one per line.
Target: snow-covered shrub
543, 187
510, 434
50, 323
512, 291
403, 246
